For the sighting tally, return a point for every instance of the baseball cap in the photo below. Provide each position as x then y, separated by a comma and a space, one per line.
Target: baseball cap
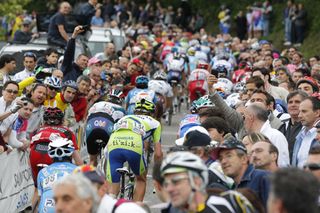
93, 60
180, 141
228, 144
311, 81
196, 138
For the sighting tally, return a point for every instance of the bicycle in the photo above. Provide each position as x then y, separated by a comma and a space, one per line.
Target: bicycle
126, 189
101, 158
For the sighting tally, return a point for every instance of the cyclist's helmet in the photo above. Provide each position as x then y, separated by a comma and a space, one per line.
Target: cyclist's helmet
182, 162
160, 75
145, 106
115, 96
142, 81
60, 148
53, 116
70, 83
53, 82
238, 201
203, 65
203, 102
191, 51
220, 71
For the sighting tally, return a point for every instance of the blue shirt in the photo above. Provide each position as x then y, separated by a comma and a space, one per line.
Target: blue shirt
258, 181
46, 177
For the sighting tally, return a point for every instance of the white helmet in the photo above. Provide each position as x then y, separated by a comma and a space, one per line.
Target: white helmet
176, 65
184, 161
224, 85
233, 99
160, 75
53, 82
201, 56
60, 147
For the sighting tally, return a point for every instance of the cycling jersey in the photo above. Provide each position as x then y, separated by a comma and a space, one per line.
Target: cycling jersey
126, 143
198, 74
161, 87
216, 204
187, 122
60, 102
46, 178
113, 110
39, 145
135, 95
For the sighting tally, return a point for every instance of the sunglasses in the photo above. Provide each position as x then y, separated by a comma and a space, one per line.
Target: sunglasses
312, 166
12, 91
53, 88
174, 181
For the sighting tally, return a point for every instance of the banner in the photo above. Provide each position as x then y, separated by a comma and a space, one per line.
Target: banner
16, 183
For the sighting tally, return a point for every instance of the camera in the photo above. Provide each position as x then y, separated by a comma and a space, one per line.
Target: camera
86, 27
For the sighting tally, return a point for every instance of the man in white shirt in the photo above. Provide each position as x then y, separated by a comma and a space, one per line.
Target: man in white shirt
309, 116
29, 62
256, 120
7, 66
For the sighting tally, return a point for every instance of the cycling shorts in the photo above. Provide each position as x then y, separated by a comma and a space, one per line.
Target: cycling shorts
99, 127
39, 155
125, 145
174, 76
195, 86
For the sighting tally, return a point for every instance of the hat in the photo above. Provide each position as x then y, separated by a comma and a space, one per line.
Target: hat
180, 141
196, 138
26, 22
94, 176
226, 145
93, 60
311, 81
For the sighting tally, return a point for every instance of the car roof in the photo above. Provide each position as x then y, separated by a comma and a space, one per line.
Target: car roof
104, 34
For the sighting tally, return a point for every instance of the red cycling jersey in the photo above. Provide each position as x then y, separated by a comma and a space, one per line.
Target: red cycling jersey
39, 145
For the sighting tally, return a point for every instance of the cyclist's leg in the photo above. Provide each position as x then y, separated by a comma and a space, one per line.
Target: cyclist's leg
140, 187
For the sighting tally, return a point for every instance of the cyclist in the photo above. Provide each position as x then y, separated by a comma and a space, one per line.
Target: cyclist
140, 92
60, 151
197, 81
185, 181
101, 118
126, 143
53, 86
53, 119
163, 90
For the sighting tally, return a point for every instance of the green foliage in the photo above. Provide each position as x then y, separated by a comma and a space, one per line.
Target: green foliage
11, 8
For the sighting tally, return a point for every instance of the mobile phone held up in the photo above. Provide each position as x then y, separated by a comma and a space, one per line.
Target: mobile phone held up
85, 27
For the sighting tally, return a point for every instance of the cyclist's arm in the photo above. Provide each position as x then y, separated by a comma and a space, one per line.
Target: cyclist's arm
76, 157
157, 145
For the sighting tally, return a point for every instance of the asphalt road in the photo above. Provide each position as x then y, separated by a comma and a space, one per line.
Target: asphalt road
169, 135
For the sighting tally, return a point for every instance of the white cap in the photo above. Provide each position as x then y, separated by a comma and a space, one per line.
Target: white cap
179, 142
129, 207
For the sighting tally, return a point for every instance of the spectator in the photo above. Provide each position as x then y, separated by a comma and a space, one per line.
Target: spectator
58, 74
309, 115
240, 22
251, 139
7, 66
234, 161
80, 103
292, 126
308, 85
83, 195
300, 24
287, 23
73, 69
297, 75
57, 34
266, 16
87, 11
109, 51
313, 161
29, 62
8, 100
50, 60
24, 35
108, 10
217, 128
265, 156
256, 120
96, 20
289, 187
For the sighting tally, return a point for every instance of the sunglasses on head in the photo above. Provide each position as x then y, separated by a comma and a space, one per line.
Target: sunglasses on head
312, 166
30, 54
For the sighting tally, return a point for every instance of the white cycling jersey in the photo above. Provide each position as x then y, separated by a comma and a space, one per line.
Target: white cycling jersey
161, 87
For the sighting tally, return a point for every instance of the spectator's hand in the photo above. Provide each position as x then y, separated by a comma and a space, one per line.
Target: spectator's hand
25, 146
77, 30
9, 149
1, 149
211, 80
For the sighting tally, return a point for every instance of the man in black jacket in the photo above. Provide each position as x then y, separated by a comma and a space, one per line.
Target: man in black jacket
72, 70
